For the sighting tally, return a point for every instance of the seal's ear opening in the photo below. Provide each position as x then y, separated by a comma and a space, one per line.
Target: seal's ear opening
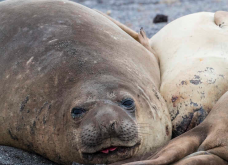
221, 18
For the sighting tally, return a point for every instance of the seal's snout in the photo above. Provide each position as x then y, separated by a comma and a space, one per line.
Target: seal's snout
109, 127
110, 130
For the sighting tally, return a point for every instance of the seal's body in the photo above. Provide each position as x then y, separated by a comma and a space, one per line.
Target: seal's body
75, 87
193, 54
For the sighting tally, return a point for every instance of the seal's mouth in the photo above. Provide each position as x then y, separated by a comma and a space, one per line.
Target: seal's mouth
105, 153
110, 149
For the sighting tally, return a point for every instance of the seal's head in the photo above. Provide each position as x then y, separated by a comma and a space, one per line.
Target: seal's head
113, 119
104, 114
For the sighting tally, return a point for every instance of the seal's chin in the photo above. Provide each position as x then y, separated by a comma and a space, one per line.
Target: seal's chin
111, 154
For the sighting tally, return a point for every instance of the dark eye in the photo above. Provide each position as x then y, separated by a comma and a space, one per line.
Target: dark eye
128, 103
77, 112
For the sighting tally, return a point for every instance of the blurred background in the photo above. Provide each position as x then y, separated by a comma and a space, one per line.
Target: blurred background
141, 13
135, 14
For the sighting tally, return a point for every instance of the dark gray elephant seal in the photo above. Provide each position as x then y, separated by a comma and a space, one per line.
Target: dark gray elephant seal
74, 87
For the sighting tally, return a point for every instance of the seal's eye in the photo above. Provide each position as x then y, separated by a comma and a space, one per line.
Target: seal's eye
128, 103
77, 112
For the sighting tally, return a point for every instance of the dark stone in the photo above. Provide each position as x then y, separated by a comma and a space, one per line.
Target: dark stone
100, 1
160, 18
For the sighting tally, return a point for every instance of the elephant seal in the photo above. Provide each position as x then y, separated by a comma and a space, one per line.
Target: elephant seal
193, 57
74, 87
198, 47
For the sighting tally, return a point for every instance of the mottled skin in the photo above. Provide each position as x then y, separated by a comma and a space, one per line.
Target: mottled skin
193, 58
58, 56
198, 47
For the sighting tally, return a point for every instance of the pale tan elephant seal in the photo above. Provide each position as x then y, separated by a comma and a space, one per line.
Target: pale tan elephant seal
193, 56
74, 87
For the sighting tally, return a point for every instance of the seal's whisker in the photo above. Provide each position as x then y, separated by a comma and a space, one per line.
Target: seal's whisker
143, 128
145, 133
142, 132
143, 123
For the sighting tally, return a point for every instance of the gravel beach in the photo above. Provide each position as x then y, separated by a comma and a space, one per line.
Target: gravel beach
135, 14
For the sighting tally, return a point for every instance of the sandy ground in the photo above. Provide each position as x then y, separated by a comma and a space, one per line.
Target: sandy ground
135, 14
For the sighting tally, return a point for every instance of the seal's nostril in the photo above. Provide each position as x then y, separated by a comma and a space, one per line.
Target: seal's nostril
113, 125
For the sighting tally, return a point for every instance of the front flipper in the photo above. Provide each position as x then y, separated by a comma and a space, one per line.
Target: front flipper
145, 41
176, 149
205, 144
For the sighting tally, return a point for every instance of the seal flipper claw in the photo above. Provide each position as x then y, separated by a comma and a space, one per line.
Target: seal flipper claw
144, 40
